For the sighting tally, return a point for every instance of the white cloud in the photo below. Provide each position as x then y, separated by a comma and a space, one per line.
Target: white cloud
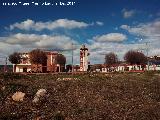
126, 27
25, 25
50, 25
30, 41
27, 42
111, 37
99, 23
98, 45
7, 49
99, 49
146, 30
22, 39
128, 13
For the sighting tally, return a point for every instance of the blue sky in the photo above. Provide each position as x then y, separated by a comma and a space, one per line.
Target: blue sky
103, 25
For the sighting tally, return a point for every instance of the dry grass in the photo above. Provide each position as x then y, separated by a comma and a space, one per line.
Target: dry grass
125, 96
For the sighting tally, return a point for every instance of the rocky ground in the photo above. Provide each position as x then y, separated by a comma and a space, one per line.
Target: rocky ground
116, 96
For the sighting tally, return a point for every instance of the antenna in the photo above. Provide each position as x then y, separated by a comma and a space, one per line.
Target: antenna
147, 50
72, 59
5, 65
73, 56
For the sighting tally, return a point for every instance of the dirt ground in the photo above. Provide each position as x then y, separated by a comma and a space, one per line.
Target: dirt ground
116, 96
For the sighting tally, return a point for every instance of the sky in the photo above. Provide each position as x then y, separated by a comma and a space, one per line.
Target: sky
102, 25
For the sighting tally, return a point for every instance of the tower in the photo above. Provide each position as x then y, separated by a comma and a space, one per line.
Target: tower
84, 58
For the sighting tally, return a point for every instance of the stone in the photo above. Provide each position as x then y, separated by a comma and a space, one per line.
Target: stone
36, 99
3, 88
40, 93
18, 96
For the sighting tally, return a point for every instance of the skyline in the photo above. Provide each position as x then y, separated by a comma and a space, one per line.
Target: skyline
106, 26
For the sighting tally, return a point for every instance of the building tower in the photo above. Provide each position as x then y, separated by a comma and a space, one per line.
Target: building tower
84, 58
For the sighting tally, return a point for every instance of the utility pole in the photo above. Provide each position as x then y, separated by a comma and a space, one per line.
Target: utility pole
5, 70
72, 60
147, 49
73, 56
5, 64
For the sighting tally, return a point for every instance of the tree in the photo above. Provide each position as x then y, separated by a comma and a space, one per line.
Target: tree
38, 56
60, 59
111, 58
68, 68
135, 57
96, 67
15, 58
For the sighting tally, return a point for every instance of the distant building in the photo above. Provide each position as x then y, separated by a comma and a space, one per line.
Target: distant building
123, 68
75, 68
154, 63
25, 65
49, 66
84, 58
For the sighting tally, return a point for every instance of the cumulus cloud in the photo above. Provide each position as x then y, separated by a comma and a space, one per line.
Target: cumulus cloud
25, 25
22, 39
50, 25
99, 23
111, 37
150, 32
144, 29
26, 42
99, 49
128, 13
98, 45
7, 49
54, 42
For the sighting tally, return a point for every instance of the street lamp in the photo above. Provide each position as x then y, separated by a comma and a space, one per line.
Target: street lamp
73, 56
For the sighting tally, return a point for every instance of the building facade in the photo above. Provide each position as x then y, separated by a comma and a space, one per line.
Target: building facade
50, 66
84, 61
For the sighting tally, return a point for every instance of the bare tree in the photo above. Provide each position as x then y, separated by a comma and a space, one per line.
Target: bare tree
15, 58
135, 57
111, 58
38, 56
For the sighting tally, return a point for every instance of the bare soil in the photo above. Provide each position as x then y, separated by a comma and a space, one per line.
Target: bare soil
116, 96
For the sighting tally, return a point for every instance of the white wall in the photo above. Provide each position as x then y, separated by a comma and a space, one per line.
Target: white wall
20, 68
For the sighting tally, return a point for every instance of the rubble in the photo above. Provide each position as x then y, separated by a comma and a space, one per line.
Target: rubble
3, 88
18, 96
40, 93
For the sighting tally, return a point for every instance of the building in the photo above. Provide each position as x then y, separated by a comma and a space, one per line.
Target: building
51, 64
124, 67
24, 66
84, 58
74, 68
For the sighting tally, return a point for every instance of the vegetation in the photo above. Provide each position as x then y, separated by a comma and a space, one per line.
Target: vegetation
127, 96
95, 66
60, 59
68, 68
111, 58
15, 58
38, 56
135, 57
